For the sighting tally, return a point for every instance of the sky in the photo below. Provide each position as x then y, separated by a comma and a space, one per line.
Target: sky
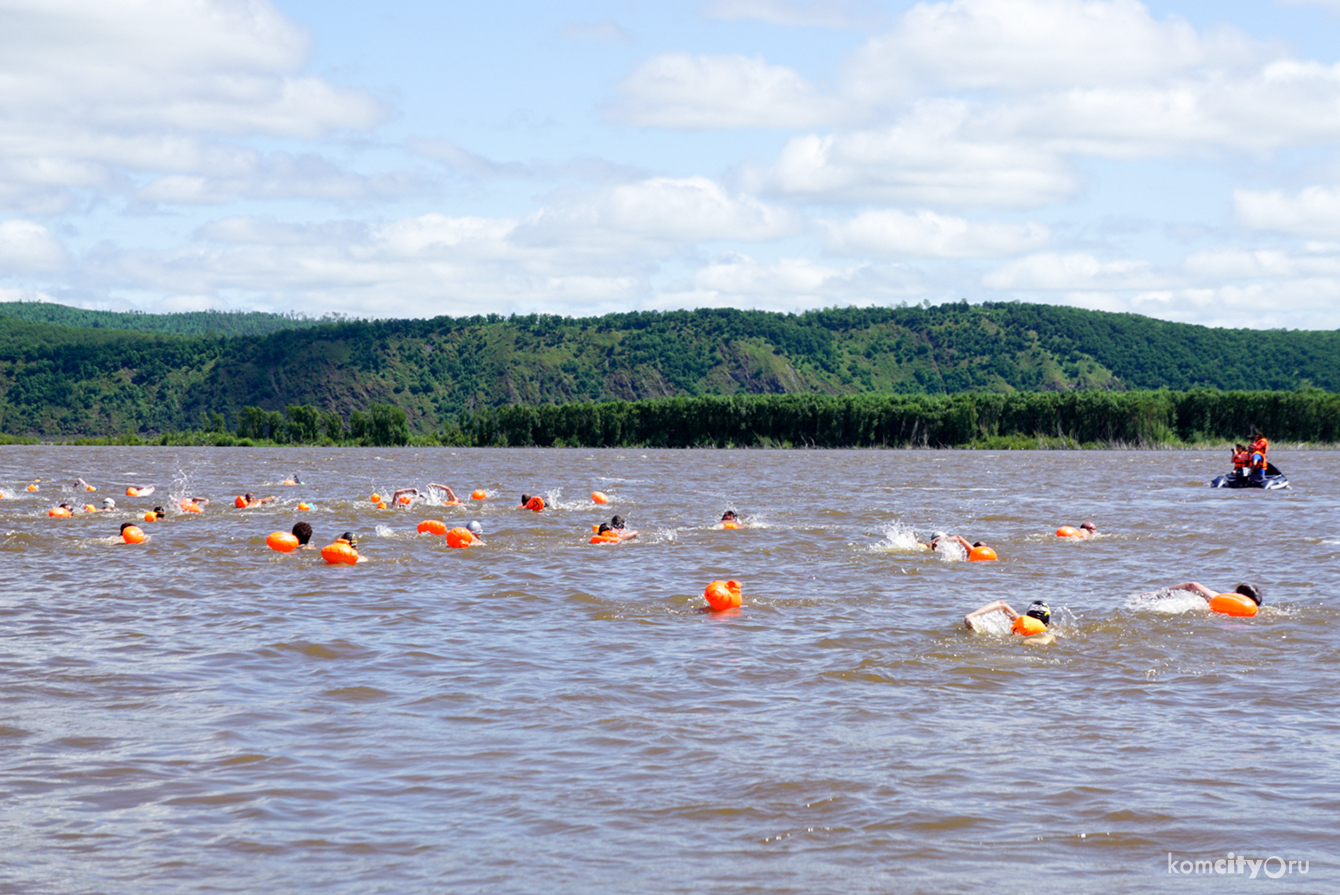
1174, 158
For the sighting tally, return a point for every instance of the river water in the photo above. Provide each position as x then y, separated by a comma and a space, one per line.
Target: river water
201, 714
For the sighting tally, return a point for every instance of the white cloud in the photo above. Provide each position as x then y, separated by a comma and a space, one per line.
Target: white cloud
28, 247
684, 91
926, 234
1032, 45
606, 31
936, 155
1313, 211
815, 14
1073, 271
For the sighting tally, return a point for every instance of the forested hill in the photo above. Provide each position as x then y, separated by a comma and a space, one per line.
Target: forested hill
60, 381
188, 323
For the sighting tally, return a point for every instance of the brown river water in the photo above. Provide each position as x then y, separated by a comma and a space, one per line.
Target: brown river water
201, 714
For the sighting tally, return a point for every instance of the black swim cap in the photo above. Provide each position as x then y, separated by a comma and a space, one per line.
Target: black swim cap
1039, 610
616, 522
349, 536
1249, 590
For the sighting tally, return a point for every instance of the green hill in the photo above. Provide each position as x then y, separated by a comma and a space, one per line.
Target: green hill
188, 323
65, 381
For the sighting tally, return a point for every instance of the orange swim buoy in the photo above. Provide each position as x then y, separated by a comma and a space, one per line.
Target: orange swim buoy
405, 500
132, 492
599, 497
730, 525
283, 541
89, 488
59, 511
720, 597
339, 552
433, 527
375, 498
981, 554
240, 502
478, 494
1236, 604
32, 487
535, 504
1027, 626
304, 507
382, 505
90, 508
460, 537
133, 534
1068, 531
150, 516
609, 537
189, 506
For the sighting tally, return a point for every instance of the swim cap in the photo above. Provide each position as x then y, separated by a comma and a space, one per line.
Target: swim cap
1040, 611
939, 534
616, 522
160, 512
475, 528
1088, 525
349, 536
108, 503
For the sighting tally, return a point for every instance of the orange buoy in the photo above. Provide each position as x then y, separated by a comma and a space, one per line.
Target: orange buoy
283, 541
405, 500
382, 505
150, 516
1068, 531
478, 494
981, 554
451, 503
189, 506
304, 507
1237, 604
730, 525
131, 492
433, 527
90, 508
240, 502
535, 504
609, 537
32, 487
460, 537
339, 552
1028, 626
133, 534
720, 597
59, 511
599, 497
89, 488
376, 498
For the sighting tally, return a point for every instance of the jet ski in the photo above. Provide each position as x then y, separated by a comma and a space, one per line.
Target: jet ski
1272, 480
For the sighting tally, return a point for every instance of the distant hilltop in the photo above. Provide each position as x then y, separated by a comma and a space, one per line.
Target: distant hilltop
66, 372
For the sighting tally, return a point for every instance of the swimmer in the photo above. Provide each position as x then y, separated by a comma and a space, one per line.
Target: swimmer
303, 532
1083, 531
141, 490
477, 530
940, 540
451, 495
291, 480
534, 503
256, 501
405, 497
159, 513
140, 538
107, 505
61, 510
85, 485
1251, 591
1032, 624
730, 519
619, 527
348, 538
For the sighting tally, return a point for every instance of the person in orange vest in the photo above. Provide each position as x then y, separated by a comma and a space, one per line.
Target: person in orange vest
1258, 461
1242, 458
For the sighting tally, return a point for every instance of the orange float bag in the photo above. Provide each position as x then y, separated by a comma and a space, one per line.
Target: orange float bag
283, 541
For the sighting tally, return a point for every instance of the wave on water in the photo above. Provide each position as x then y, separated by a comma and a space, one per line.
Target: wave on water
950, 551
899, 537
1168, 601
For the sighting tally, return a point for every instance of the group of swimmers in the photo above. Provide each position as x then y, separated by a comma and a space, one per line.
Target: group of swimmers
1033, 623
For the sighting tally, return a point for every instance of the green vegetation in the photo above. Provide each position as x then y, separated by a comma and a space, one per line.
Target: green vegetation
953, 374
187, 323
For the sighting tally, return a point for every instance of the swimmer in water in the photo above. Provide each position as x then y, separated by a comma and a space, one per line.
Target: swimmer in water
1031, 625
159, 513
730, 519
1250, 591
303, 532
619, 527
84, 485
291, 480
107, 505
477, 530
535, 503
252, 501
348, 538
405, 497
124, 526
451, 495
141, 490
1086, 530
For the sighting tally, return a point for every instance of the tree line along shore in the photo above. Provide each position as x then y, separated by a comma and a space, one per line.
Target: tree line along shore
1023, 420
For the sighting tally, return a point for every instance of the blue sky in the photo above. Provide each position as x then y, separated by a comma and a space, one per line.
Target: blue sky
411, 159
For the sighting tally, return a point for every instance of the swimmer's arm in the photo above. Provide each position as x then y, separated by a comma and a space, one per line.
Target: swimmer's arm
627, 535
997, 606
414, 492
202, 501
1196, 588
263, 500
451, 495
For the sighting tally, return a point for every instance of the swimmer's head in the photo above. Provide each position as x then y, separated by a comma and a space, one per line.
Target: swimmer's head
303, 532
604, 527
125, 525
979, 544
1089, 527
1040, 611
349, 536
108, 503
617, 522
475, 528
729, 516
1249, 590
160, 512
939, 534
525, 498
247, 497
